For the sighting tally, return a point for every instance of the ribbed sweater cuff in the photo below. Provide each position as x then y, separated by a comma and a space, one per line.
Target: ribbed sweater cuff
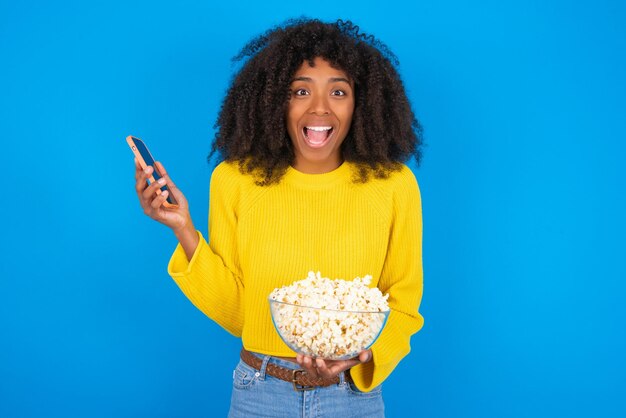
179, 266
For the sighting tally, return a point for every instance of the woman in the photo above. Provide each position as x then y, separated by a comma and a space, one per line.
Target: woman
313, 131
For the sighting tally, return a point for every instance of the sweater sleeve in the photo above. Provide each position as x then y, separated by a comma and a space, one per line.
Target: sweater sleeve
402, 278
211, 280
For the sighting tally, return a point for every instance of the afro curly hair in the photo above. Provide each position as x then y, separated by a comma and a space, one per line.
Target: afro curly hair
251, 126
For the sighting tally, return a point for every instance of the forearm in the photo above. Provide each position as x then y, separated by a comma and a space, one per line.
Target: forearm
188, 238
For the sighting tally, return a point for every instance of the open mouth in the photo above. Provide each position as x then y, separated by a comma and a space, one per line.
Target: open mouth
317, 136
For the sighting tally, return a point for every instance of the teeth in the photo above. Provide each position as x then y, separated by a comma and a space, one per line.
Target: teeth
319, 128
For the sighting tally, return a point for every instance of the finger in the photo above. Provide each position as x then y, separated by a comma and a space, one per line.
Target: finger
161, 170
322, 369
142, 178
308, 365
137, 169
151, 190
340, 366
178, 195
158, 201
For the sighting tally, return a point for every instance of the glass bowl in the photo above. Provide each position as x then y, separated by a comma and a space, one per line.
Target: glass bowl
326, 333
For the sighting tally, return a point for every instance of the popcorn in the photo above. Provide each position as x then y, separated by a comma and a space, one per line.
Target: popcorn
332, 319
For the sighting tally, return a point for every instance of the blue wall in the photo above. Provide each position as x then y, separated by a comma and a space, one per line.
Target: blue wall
522, 184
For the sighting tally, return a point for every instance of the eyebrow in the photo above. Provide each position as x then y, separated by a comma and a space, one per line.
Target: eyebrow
332, 79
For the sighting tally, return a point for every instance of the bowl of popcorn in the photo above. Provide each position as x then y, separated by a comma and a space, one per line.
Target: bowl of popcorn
329, 319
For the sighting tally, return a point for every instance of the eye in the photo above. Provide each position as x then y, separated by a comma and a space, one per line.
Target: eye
300, 92
338, 93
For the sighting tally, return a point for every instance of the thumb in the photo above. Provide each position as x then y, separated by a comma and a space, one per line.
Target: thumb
365, 356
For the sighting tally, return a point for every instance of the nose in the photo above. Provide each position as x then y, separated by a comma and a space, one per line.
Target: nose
319, 105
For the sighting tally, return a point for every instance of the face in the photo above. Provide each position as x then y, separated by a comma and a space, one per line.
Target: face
319, 116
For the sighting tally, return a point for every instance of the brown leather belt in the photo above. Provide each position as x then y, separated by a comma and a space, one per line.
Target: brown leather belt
298, 377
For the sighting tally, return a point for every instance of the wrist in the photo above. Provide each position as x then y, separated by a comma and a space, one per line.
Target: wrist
186, 231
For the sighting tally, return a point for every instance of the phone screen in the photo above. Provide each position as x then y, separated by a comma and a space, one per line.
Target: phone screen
147, 157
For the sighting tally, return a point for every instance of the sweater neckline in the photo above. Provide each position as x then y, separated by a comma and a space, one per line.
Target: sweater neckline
298, 178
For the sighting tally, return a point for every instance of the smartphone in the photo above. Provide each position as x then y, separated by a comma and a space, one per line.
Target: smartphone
139, 148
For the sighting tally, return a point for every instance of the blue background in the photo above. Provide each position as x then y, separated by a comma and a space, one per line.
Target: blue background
523, 105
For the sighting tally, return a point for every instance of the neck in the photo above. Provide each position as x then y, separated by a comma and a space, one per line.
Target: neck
307, 167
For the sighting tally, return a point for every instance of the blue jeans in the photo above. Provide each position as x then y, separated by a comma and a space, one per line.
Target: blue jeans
257, 394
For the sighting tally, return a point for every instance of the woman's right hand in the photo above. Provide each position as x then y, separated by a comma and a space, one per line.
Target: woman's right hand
177, 218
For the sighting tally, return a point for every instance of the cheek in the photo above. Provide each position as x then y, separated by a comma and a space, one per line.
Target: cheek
293, 115
346, 116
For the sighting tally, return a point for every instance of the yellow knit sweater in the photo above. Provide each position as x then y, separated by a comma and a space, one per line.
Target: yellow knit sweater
262, 238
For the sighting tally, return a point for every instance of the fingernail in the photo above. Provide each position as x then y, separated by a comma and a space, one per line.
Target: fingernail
146, 170
161, 180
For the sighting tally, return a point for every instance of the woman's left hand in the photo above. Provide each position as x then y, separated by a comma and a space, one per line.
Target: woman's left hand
330, 368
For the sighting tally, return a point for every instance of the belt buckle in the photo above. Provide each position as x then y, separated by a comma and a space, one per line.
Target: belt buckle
296, 386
